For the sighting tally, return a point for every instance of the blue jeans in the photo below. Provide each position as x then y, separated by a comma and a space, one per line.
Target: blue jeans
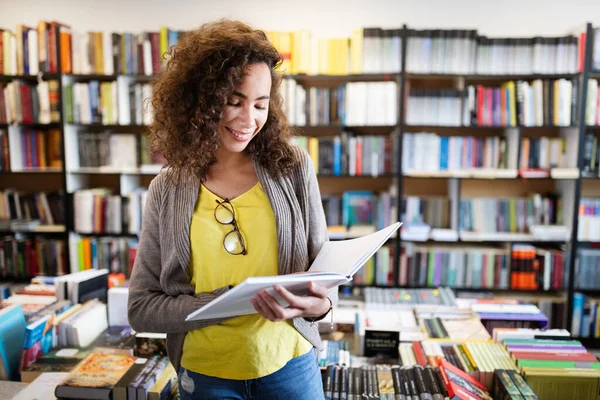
299, 379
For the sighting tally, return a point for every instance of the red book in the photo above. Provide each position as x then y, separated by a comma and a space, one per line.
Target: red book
461, 386
536, 355
419, 354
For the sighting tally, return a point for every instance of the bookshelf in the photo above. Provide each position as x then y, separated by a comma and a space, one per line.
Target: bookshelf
456, 185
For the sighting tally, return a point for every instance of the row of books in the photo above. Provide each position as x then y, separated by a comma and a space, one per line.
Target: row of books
99, 211
120, 53
434, 211
591, 155
29, 50
586, 316
592, 107
523, 267
115, 254
429, 152
543, 153
359, 208
34, 148
521, 103
121, 151
537, 55
440, 107
466, 52
368, 50
45, 207
386, 382
355, 103
27, 103
516, 215
25, 257
471, 357
589, 219
350, 154
587, 269
107, 103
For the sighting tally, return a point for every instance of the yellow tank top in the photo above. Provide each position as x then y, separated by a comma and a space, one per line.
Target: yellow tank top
249, 346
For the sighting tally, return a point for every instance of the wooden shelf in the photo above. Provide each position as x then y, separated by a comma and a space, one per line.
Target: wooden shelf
487, 77
32, 126
314, 79
507, 290
35, 171
143, 170
479, 128
40, 229
335, 129
115, 127
30, 78
104, 234
108, 78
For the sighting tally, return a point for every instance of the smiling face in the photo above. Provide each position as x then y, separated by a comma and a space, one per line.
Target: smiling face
247, 109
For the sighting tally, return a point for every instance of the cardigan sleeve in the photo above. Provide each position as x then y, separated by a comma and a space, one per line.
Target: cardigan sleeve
150, 309
317, 225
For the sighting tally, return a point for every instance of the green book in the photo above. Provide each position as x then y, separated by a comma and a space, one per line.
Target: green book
557, 364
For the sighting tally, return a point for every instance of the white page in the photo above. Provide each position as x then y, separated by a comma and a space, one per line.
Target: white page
347, 256
42, 387
237, 301
335, 264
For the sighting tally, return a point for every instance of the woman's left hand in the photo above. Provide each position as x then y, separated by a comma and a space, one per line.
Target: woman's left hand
311, 306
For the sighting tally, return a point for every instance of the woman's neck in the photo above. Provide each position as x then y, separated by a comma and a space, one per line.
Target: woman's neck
227, 160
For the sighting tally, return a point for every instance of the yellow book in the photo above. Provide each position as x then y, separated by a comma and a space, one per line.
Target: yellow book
513, 215
7, 37
98, 53
163, 43
313, 150
165, 383
80, 255
323, 56
332, 56
19, 36
301, 56
356, 51
344, 56
512, 103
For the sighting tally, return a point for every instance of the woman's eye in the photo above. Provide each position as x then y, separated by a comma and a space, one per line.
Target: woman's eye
260, 108
233, 104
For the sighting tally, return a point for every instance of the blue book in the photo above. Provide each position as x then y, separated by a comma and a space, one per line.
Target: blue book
337, 156
444, 153
12, 332
35, 331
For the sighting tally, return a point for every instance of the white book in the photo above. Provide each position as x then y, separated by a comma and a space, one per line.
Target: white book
335, 264
42, 388
107, 53
32, 42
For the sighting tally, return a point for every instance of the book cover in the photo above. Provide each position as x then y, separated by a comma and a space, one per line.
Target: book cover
95, 376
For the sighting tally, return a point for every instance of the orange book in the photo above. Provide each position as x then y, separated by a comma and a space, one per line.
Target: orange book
95, 376
65, 51
87, 253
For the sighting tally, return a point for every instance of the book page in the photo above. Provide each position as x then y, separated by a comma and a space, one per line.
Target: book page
346, 257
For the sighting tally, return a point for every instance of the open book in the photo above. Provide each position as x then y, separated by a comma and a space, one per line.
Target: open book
336, 264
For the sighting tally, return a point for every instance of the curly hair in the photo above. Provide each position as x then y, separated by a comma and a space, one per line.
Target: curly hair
203, 70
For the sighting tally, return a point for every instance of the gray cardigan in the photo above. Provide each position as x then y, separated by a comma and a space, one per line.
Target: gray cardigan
160, 293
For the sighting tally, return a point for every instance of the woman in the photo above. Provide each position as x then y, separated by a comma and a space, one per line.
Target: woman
236, 201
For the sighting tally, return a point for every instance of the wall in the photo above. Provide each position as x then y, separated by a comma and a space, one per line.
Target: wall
329, 18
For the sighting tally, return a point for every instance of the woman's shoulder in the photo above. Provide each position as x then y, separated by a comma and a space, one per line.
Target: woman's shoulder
302, 158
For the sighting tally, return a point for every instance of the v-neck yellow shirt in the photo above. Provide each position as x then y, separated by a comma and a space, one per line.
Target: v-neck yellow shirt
249, 346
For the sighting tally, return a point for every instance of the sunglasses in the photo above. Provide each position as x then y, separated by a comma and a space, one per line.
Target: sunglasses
233, 242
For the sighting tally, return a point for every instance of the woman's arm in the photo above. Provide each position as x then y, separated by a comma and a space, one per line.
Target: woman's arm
149, 308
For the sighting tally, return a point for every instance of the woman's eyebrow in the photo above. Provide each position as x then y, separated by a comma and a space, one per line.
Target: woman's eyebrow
243, 96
